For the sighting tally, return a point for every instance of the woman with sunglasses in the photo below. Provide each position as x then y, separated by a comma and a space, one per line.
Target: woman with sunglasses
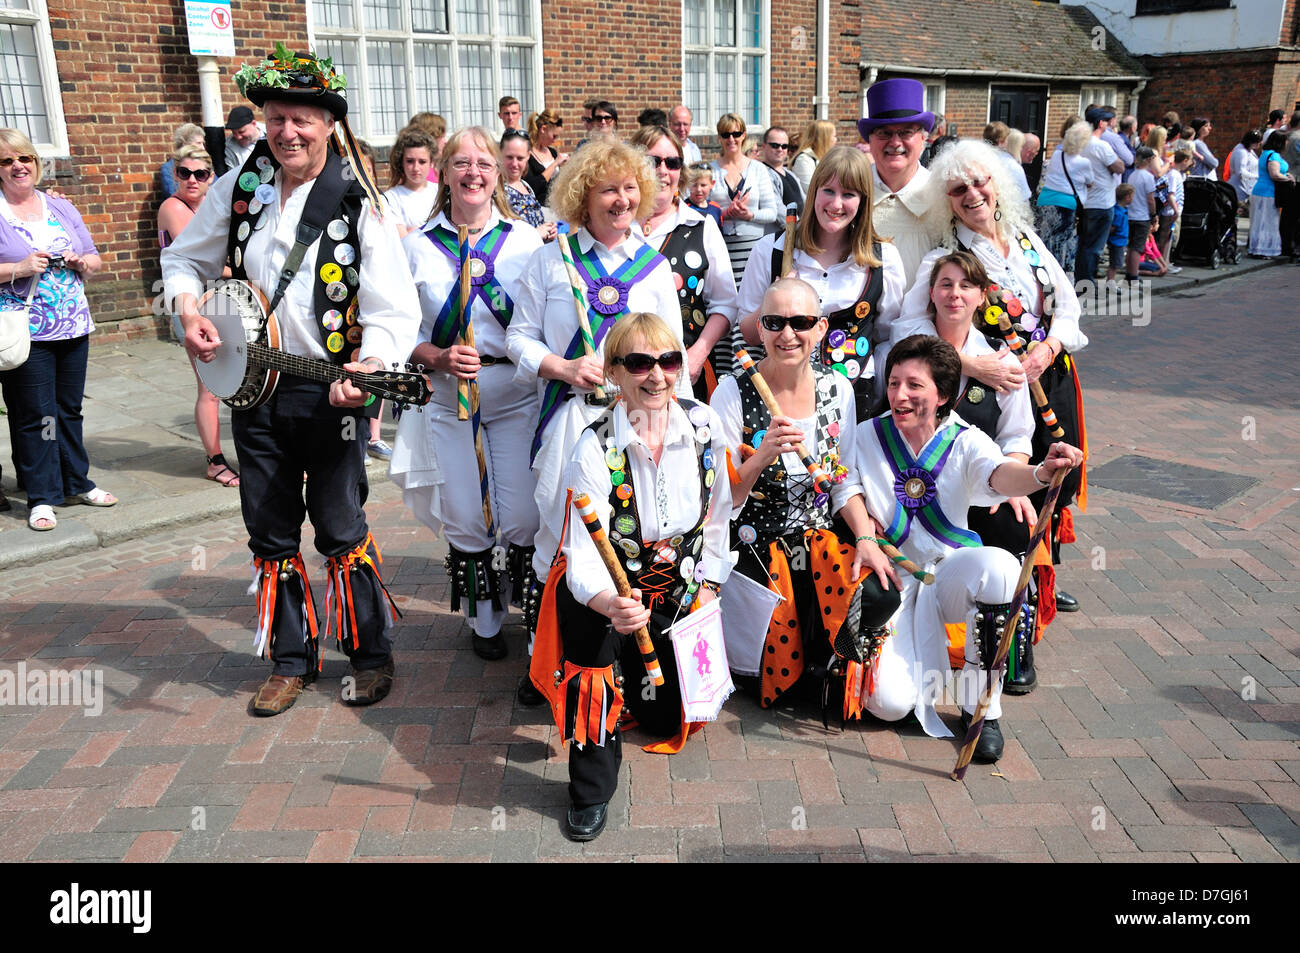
433, 460
519, 192
922, 469
412, 198
604, 193
784, 524
858, 276
744, 190
696, 251
976, 208
46, 255
652, 466
544, 161
192, 168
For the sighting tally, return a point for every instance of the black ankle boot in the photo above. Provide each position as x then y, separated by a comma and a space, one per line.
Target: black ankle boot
1021, 678
989, 747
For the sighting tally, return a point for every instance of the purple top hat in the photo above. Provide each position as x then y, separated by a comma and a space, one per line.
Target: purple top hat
892, 102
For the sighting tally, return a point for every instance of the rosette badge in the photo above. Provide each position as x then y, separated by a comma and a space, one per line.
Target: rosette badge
608, 295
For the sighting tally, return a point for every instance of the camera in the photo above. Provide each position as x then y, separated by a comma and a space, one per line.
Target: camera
57, 261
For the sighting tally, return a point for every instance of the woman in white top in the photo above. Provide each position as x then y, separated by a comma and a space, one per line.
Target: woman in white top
409, 162
977, 209
742, 187
697, 254
859, 277
1066, 179
817, 139
434, 460
604, 192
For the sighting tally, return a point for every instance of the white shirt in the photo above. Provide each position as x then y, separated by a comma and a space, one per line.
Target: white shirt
837, 286
387, 302
726, 401
763, 202
435, 274
412, 209
1017, 173
545, 320
1101, 194
1144, 186
1013, 273
691, 152
1245, 171
719, 282
900, 217
1081, 174
667, 497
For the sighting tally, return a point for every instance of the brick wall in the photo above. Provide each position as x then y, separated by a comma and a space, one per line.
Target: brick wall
128, 81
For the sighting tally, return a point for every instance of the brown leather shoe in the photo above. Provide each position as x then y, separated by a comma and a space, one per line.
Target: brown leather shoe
369, 685
277, 694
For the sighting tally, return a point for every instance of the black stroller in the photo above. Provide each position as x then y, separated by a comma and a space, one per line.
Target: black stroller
1209, 229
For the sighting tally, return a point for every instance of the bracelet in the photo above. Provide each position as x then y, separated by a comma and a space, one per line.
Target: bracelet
1037, 480
869, 536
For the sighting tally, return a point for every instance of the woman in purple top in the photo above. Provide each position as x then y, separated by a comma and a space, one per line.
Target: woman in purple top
45, 256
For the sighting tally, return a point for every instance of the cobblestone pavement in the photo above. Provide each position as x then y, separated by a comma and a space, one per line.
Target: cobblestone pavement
1165, 725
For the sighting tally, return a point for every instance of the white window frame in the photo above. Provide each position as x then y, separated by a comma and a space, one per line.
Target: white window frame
1102, 95
756, 124
359, 95
940, 96
38, 17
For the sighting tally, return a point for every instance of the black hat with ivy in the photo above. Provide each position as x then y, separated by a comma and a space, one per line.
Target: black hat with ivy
300, 78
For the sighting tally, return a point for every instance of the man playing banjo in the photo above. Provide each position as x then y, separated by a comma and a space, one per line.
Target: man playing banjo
301, 223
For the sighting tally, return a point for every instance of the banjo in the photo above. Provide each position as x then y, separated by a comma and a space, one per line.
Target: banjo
248, 363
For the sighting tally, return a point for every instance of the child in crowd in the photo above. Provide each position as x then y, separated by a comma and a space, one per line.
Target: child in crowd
1142, 208
698, 183
1118, 240
1183, 158
1153, 263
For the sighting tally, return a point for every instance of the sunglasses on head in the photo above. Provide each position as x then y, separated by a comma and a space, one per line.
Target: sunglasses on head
199, 175
734, 134
7, 161
799, 322
963, 187
637, 363
672, 163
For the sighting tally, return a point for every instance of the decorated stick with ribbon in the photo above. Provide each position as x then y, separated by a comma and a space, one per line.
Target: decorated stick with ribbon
1035, 388
467, 397
902, 562
820, 479
591, 519
1013, 617
580, 306
787, 253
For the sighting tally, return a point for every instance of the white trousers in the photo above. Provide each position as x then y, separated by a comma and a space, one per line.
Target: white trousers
914, 670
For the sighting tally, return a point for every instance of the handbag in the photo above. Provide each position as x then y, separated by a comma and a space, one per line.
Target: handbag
1078, 211
16, 333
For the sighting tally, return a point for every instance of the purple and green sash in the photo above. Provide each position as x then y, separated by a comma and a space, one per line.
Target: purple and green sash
607, 302
915, 485
486, 287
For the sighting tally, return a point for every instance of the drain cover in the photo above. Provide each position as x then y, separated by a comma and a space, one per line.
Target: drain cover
1171, 482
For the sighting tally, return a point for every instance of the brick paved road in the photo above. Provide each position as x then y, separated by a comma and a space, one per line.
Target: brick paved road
1138, 745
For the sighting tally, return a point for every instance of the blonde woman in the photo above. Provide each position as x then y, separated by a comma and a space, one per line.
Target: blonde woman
742, 187
818, 138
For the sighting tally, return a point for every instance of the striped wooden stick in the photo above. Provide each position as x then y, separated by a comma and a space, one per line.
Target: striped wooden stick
902, 562
467, 396
820, 479
787, 252
580, 306
591, 519
466, 330
1035, 388
1008, 630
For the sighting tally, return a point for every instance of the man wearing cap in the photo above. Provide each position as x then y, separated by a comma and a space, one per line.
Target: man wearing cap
244, 133
300, 222
1100, 203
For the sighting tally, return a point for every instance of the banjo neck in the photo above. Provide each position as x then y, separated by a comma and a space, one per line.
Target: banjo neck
313, 369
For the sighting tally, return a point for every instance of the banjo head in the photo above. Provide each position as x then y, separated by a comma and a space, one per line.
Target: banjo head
237, 311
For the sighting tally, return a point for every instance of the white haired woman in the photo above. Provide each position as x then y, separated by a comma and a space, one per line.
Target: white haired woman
1065, 188
975, 207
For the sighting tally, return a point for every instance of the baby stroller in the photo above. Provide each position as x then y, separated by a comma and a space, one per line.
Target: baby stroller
1209, 230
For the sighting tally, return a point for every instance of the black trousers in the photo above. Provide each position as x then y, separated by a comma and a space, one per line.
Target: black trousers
277, 444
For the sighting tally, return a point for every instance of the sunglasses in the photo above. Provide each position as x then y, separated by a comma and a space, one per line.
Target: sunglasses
199, 175
777, 145
672, 163
7, 161
638, 363
516, 134
602, 119
776, 323
964, 187
734, 134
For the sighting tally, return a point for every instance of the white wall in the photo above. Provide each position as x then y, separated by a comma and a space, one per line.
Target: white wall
1246, 25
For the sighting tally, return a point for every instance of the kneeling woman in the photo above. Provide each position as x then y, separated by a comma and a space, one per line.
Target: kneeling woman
651, 466
783, 525
921, 471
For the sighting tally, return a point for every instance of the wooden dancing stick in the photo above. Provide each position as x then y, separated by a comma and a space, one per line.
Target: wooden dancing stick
787, 253
1008, 630
580, 306
820, 479
591, 519
467, 397
1035, 388
902, 562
